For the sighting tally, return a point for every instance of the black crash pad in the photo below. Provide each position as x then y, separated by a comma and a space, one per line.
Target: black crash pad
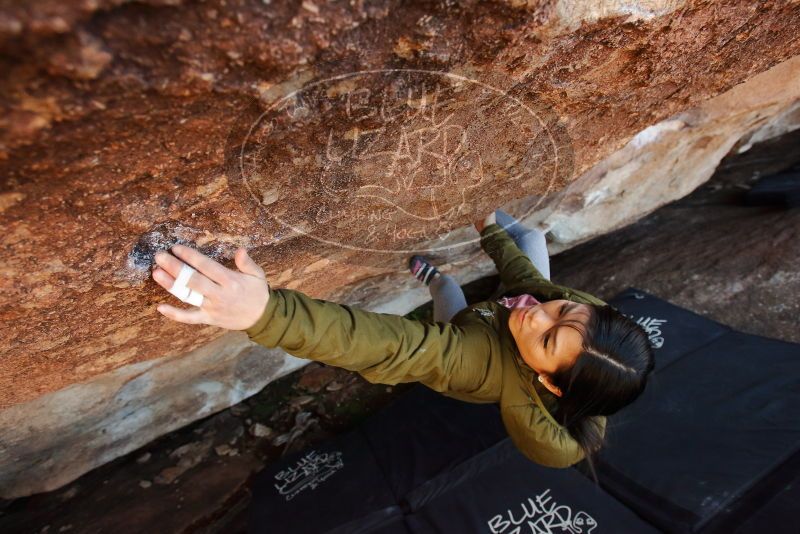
517, 496
721, 412
782, 189
334, 487
423, 435
470, 474
401, 457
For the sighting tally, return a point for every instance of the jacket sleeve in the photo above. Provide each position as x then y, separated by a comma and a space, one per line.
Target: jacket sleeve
526, 408
514, 266
518, 272
539, 439
383, 348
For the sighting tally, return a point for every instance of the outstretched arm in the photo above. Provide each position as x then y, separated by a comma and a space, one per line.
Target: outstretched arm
383, 348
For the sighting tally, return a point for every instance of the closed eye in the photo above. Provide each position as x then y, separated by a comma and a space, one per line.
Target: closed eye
561, 311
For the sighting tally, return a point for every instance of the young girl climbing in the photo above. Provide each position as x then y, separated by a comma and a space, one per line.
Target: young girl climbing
556, 360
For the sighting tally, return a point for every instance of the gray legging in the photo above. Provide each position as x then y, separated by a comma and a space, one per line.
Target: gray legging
448, 298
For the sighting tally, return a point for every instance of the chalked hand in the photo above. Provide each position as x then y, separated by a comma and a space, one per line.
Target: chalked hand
231, 299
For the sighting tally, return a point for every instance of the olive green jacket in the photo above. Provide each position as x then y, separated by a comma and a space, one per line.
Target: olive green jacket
473, 358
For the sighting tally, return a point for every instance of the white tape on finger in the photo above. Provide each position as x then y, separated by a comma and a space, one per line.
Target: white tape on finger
182, 291
194, 298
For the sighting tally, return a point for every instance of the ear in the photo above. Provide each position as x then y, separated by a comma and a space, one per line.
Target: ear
545, 380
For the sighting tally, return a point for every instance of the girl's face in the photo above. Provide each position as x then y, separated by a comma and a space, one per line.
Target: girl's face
544, 343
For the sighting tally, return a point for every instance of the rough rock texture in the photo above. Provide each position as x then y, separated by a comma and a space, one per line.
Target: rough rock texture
330, 139
57, 437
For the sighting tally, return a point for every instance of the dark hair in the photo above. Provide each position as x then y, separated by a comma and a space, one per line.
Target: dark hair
610, 372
